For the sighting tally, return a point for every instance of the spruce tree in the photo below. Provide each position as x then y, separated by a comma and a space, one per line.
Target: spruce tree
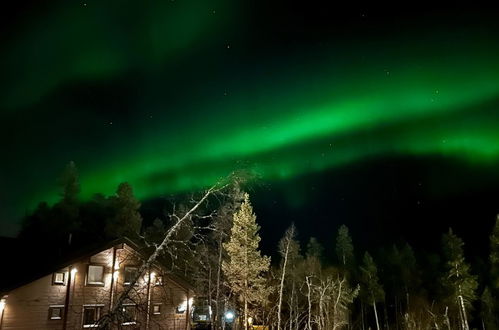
488, 310
246, 267
494, 257
66, 212
70, 183
127, 219
409, 274
314, 249
344, 247
459, 284
371, 288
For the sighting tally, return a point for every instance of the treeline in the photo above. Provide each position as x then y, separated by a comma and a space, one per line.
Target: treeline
304, 290
70, 223
218, 250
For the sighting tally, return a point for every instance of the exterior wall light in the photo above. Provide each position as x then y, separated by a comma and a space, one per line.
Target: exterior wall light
229, 316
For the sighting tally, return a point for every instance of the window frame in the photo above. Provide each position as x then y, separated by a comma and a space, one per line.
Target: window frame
159, 305
135, 314
98, 311
125, 273
102, 283
55, 307
178, 311
64, 276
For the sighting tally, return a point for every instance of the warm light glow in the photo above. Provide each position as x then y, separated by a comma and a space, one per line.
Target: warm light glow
116, 267
191, 300
182, 307
250, 321
74, 271
2, 304
115, 274
153, 274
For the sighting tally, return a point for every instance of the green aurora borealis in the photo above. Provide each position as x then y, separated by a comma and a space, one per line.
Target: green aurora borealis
184, 95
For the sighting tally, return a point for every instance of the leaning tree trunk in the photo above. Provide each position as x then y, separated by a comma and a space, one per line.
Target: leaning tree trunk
106, 320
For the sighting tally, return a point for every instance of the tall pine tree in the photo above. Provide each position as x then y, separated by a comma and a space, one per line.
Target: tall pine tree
371, 288
344, 247
494, 257
458, 282
246, 267
127, 219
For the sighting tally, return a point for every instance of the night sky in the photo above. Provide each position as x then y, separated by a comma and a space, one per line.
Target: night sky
385, 119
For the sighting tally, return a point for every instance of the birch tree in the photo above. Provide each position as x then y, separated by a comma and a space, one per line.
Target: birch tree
246, 267
115, 314
207, 266
288, 249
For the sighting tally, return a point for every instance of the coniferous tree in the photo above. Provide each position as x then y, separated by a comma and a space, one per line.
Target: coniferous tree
127, 219
488, 311
314, 248
344, 247
156, 231
66, 211
371, 288
56, 224
408, 272
494, 257
458, 282
246, 266
70, 183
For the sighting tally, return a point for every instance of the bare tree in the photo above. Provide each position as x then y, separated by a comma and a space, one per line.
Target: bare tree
169, 238
287, 246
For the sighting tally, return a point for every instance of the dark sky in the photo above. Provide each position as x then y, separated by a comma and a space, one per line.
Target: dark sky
383, 118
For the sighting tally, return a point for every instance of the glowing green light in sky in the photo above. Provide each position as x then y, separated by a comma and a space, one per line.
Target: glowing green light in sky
201, 109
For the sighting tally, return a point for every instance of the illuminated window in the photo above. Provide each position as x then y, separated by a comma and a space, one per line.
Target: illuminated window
130, 274
55, 312
91, 315
129, 314
156, 309
181, 308
95, 275
59, 278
